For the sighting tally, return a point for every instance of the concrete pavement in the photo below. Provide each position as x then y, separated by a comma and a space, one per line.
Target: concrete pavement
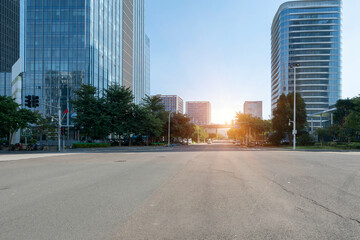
199, 193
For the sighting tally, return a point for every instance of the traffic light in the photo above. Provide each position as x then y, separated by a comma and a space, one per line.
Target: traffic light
62, 131
35, 101
28, 101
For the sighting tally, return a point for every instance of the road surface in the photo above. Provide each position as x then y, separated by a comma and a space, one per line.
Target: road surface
198, 192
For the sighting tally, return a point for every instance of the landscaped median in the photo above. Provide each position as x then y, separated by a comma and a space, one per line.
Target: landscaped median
91, 145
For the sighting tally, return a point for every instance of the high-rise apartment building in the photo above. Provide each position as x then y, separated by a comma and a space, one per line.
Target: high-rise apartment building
172, 103
253, 108
9, 41
69, 43
307, 33
147, 65
199, 112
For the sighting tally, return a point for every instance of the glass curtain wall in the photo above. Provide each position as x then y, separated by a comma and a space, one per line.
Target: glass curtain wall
69, 43
9, 41
308, 33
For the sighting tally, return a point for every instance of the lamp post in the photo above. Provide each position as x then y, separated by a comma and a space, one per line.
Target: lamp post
294, 66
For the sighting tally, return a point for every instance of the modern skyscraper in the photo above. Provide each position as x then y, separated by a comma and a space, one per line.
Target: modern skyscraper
172, 103
9, 41
308, 33
147, 65
126, 15
199, 112
139, 51
253, 108
69, 43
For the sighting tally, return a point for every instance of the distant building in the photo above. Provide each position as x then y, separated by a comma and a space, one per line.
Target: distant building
9, 42
173, 103
199, 112
254, 108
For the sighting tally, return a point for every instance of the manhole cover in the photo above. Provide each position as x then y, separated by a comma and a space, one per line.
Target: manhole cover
121, 161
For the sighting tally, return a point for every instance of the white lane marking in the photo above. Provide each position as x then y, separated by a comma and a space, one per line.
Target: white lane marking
348, 153
15, 157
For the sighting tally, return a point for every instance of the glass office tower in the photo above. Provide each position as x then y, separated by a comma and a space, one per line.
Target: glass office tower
139, 51
74, 42
307, 33
147, 65
9, 41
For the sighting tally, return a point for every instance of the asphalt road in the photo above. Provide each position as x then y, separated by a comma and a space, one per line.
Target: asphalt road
199, 192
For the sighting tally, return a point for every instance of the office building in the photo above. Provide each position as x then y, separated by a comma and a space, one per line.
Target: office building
172, 103
9, 42
307, 33
147, 65
139, 51
69, 43
199, 112
253, 108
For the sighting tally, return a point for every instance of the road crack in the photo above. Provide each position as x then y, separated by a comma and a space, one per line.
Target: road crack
314, 202
230, 174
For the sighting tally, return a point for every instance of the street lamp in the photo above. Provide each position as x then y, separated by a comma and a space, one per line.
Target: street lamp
294, 66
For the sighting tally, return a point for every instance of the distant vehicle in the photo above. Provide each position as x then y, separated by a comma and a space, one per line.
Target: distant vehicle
187, 141
209, 141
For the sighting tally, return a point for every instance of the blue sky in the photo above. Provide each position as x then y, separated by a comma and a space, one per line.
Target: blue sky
219, 50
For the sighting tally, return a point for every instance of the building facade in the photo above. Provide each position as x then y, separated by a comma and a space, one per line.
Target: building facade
147, 65
253, 108
69, 43
307, 33
199, 112
9, 42
172, 103
139, 51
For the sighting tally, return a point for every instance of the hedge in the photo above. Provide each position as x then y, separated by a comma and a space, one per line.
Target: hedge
90, 145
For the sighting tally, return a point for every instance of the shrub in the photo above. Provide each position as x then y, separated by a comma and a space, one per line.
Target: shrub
90, 145
275, 138
305, 139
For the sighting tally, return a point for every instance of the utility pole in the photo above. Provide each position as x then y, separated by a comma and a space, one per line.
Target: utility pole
294, 66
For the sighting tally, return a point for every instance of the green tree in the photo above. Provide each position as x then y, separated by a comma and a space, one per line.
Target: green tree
13, 118
180, 126
284, 112
45, 126
92, 113
352, 125
201, 133
119, 103
343, 108
346, 118
322, 133
157, 117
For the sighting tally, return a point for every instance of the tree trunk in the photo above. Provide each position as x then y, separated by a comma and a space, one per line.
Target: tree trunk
119, 140
11, 135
